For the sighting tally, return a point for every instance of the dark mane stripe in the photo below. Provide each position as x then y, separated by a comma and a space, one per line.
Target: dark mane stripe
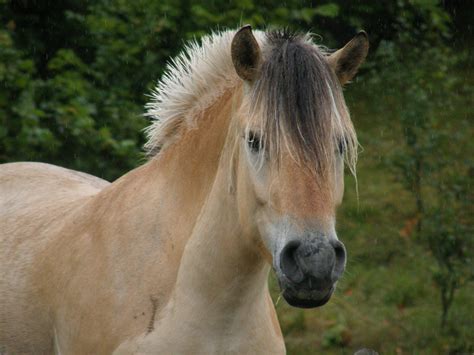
300, 100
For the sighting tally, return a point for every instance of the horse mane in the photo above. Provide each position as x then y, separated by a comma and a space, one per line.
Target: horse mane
296, 96
299, 104
192, 81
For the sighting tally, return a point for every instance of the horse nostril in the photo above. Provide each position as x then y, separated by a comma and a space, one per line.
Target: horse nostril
288, 263
340, 263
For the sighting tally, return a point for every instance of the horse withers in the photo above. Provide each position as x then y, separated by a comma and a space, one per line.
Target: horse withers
249, 137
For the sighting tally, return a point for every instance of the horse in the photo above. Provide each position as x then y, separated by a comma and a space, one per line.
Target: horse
247, 144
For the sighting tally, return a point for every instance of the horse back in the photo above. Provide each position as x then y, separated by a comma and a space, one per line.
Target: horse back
35, 199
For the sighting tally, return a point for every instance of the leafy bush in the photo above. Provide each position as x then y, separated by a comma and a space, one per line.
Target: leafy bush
415, 81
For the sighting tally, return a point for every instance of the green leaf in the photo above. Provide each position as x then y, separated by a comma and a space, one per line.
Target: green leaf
327, 10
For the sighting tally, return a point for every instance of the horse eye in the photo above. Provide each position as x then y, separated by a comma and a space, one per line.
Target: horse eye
254, 142
341, 145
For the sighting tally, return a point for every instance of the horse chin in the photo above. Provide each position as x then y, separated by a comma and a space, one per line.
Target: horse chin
304, 300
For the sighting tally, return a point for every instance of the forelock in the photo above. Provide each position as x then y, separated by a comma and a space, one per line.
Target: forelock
299, 101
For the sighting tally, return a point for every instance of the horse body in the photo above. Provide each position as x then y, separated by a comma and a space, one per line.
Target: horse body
37, 201
86, 287
174, 256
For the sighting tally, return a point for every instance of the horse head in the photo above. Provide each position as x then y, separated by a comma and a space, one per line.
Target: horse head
294, 135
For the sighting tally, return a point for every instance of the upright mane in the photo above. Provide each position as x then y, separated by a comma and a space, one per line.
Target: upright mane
296, 96
192, 82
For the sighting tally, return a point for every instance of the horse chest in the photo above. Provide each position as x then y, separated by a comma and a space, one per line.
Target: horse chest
203, 341
222, 332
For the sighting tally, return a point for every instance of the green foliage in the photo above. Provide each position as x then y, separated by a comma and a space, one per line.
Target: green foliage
296, 322
337, 335
417, 73
403, 293
63, 110
449, 236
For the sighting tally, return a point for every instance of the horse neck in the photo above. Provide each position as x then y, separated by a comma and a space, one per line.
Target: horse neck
151, 212
222, 279
176, 218
221, 290
169, 191
221, 262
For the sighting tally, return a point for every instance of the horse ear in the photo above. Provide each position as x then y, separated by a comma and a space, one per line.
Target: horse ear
347, 60
245, 53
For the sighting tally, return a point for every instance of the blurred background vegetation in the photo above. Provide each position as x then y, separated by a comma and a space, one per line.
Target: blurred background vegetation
75, 75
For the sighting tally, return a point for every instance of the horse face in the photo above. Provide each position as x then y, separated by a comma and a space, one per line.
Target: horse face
288, 208
291, 213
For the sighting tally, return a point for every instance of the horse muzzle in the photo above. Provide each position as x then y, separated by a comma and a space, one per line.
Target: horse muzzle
308, 269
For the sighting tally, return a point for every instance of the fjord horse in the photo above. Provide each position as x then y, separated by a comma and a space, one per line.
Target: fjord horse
247, 146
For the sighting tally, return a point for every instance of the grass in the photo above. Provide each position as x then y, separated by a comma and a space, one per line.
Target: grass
387, 299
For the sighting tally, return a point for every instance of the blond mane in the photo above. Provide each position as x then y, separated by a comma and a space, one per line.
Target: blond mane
192, 82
